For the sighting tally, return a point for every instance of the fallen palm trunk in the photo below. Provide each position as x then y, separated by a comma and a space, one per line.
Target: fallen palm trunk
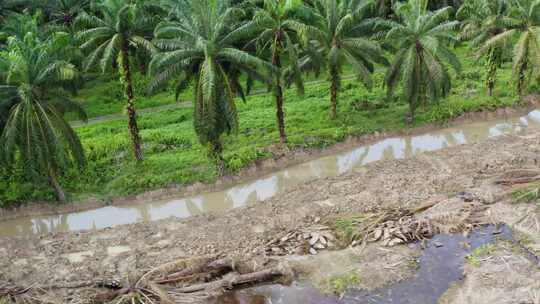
234, 279
521, 176
217, 266
190, 280
196, 280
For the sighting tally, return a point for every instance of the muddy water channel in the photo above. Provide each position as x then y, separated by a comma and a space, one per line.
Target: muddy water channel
440, 265
270, 185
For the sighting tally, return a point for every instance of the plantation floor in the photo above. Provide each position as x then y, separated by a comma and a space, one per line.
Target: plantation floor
469, 171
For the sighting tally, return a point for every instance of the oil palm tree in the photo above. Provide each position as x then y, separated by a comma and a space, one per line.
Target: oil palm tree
422, 55
64, 12
342, 36
277, 29
523, 30
481, 21
8, 7
36, 133
19, 24
199, 48
112, 37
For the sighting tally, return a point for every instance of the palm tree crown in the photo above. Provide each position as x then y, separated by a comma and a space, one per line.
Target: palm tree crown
36, 131
199, 47
341, 33
64, 12
481, 21
523, 24
421, 38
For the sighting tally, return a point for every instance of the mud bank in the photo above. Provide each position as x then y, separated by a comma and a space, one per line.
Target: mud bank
127, 251
282, 159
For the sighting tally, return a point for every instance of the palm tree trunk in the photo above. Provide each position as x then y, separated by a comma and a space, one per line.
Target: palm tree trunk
60, 195
493, 63
334, 86
521, 80
132, 114
278, 92
216, 150
491, 86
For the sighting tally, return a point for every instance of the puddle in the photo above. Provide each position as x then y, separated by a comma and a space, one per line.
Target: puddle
266, 187
439, 266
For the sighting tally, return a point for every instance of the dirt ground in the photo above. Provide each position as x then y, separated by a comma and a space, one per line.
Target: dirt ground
125, 251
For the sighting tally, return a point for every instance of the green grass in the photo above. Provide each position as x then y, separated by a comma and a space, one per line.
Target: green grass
475, 258
340, 283
174, 156
530, 194
105, 96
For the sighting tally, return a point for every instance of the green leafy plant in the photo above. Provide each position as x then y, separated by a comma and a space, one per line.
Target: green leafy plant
340, 283
475, 257
527, 195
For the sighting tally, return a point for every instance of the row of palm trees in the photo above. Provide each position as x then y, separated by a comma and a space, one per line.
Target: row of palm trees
212, 45
493, 27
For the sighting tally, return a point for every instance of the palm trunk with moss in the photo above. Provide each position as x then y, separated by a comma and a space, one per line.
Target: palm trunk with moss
334, 87
417, 99
125, 74
278, 93
216, 153
60, 195
521, 78
493, 62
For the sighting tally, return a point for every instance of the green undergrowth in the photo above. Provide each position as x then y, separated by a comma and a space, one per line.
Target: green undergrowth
340, 283
105, 96
476, 257
529, 194
174, 156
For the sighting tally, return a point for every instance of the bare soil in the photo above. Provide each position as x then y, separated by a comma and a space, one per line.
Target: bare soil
127, 251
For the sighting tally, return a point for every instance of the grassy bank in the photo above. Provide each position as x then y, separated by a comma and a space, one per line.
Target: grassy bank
174, 156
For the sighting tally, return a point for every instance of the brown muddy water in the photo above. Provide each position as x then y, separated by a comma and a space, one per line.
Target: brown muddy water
440, 265
270, 185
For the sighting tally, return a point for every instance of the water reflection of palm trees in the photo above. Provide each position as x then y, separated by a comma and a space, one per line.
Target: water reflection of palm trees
50, 224
213, 202
193, 207
144, 213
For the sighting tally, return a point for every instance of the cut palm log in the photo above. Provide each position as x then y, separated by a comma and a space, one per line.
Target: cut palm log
520, 176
